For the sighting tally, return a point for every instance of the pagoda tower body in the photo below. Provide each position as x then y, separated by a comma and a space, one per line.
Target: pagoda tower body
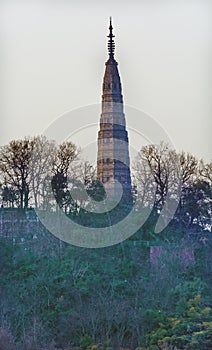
113, 163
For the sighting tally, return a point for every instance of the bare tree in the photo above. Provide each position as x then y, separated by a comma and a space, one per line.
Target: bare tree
64, 167
164, 166
172, 178
81, 179
188, 168
195, 202
156, 169
28, 166
144, 181
66, 153
205, 171
15, 165
188, 175
42, 161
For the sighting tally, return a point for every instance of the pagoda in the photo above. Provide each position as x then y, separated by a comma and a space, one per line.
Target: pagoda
113, 162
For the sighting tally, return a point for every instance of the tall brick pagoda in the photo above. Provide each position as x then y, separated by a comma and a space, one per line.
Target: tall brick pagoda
113, 163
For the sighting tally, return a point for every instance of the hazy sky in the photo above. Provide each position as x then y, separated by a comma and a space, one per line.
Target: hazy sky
53, 55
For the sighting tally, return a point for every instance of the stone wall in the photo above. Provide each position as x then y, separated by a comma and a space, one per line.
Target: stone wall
22, 227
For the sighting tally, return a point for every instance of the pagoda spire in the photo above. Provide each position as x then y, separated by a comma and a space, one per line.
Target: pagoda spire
113, 161
111, 43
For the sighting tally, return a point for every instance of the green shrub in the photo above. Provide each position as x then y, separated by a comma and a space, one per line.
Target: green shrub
86, 342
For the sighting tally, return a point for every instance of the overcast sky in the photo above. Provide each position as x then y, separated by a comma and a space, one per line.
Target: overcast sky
53, 55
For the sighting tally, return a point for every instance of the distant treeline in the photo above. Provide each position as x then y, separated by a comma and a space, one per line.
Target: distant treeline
39, 173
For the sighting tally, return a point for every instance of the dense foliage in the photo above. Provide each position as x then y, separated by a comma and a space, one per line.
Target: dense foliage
83, 298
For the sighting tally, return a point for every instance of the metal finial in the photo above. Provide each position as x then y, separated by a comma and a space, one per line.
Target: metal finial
110, 23
111, 43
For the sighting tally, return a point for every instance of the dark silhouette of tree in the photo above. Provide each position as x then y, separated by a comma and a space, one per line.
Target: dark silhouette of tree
66, 153
196, 205
9, 196
188, 176
15, 167
59, 185
96, 190
64, 170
